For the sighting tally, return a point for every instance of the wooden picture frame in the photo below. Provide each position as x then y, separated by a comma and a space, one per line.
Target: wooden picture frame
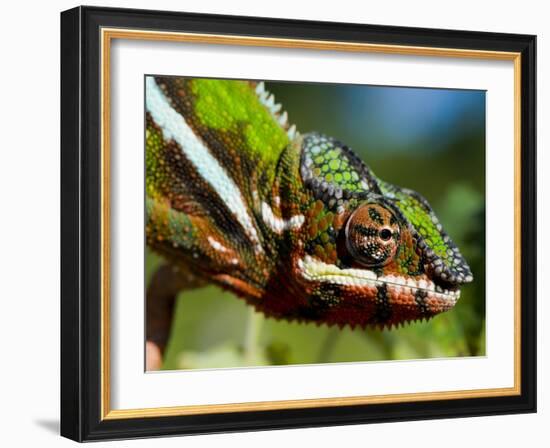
86, 37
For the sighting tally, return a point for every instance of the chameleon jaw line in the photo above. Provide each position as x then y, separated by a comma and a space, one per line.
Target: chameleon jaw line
316, 270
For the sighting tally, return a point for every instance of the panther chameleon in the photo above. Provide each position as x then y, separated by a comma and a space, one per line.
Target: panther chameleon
296, 225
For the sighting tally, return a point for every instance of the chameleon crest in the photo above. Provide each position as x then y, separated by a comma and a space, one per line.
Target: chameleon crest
297, 225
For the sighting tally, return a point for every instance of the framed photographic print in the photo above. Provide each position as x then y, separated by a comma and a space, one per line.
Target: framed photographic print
273, 224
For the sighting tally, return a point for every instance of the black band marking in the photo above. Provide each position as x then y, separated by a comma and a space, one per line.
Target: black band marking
375, 216
420, 299
383, 306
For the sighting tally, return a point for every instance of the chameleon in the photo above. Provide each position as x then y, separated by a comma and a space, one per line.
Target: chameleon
295, 224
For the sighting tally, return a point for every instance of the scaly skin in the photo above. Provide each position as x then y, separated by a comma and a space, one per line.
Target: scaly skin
297, 225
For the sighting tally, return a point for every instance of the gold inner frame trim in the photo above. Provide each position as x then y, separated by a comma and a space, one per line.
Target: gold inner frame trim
107, 35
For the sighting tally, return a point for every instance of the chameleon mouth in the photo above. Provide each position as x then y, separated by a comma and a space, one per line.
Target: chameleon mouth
318, 271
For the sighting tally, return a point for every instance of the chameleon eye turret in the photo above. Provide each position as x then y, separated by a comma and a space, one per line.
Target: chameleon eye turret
372, 235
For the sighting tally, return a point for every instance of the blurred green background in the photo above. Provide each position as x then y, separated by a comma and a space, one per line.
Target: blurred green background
430, 140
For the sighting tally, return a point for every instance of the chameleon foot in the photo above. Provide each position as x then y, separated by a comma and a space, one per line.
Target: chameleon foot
163, 289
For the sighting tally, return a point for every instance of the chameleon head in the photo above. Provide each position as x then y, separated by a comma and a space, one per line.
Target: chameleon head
376, 254
386, 272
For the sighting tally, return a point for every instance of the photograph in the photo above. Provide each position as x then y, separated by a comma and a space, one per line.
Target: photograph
296, 223
274, 223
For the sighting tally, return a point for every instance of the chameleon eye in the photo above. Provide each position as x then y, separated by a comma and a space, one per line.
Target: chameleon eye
385, 234
372, 235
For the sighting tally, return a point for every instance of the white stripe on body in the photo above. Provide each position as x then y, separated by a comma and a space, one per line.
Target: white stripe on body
174, 127
279, 225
